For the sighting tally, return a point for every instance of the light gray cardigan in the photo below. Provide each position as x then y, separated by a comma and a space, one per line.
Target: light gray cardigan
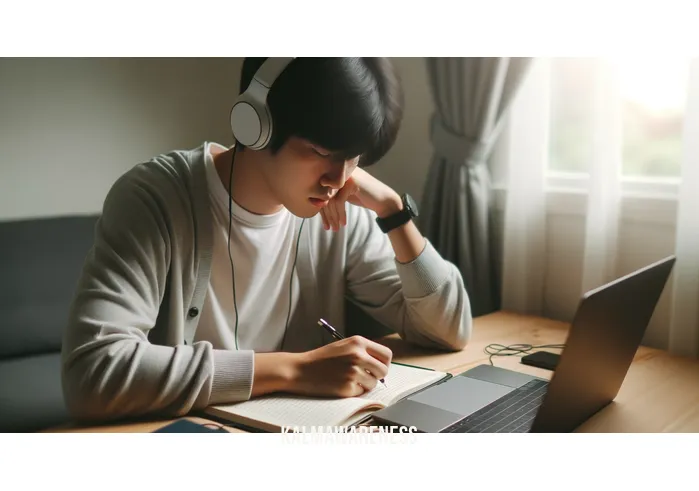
128, 345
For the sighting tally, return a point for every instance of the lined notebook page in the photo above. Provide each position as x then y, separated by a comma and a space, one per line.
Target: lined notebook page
401, 381
293, 410
289, 410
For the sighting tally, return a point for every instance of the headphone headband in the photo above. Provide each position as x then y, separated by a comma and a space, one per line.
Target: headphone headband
270, 70
251, 119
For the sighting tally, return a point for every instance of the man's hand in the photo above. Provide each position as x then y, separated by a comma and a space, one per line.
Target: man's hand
344, 368
361, 189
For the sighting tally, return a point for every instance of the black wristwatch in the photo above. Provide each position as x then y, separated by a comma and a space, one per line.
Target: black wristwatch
408, 212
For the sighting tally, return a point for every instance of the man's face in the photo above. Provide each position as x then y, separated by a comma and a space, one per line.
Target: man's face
303, 176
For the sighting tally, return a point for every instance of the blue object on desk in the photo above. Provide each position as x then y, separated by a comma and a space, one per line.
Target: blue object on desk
186, 426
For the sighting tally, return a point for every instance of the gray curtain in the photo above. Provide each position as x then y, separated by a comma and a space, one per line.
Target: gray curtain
471, 96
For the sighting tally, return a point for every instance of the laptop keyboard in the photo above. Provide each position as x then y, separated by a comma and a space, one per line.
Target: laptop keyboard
513, 413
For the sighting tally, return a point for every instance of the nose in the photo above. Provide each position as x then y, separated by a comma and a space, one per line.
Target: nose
336, 176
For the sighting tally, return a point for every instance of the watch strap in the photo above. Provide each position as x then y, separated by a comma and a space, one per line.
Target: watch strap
399, 218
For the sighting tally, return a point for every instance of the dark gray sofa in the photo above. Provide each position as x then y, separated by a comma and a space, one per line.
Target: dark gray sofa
40, 261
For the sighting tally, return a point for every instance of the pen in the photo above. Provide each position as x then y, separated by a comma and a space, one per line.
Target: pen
333, 332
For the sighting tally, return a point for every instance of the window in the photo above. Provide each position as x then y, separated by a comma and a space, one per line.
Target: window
571, 120
652, 93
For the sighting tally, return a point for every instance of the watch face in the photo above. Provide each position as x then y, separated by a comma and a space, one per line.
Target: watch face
411, 205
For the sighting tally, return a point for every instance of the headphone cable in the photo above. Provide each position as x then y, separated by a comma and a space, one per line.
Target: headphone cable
291, 283
230, 225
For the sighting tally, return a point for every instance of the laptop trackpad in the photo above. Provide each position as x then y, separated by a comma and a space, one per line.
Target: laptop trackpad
461, 395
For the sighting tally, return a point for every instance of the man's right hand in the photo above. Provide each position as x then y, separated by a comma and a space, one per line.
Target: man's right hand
344, 368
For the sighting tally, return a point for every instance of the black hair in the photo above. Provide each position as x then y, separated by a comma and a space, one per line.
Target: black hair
349, 106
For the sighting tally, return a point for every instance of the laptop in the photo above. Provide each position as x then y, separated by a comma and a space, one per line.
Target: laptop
605, 334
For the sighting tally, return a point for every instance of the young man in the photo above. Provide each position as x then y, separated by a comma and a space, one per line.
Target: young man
190, 298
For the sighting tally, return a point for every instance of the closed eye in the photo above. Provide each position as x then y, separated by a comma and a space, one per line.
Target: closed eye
318, 152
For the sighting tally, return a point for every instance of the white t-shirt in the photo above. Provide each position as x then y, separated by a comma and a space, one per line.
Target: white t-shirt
263, 249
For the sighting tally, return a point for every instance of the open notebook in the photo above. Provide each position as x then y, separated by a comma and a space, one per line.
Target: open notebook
274, 411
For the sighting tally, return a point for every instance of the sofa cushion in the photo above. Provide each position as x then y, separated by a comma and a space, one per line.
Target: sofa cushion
31, 396
40, 263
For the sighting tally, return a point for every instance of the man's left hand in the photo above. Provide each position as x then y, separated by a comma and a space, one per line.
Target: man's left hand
361, 189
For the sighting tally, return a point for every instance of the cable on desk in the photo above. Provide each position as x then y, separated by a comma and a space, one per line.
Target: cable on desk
496, 349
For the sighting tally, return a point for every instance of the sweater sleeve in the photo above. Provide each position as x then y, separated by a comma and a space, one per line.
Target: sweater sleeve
424, 301
110, 369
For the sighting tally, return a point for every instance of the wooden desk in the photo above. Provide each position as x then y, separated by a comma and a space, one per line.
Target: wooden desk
660, 392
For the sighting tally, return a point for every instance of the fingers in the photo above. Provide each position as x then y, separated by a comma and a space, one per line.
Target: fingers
348, 190
342, 215
376, 366
329, 215
365, 379
380, 352
354, 389
335, 213
346, 368
332, 214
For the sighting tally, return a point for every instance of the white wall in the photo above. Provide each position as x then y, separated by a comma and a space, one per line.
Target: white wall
405, 166
70, 127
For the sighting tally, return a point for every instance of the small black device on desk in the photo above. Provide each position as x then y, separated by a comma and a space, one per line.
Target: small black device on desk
541, 359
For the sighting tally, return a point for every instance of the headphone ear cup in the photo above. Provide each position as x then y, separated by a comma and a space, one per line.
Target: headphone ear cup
251, 122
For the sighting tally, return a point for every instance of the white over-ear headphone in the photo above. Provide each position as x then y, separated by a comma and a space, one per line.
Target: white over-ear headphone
251, 120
